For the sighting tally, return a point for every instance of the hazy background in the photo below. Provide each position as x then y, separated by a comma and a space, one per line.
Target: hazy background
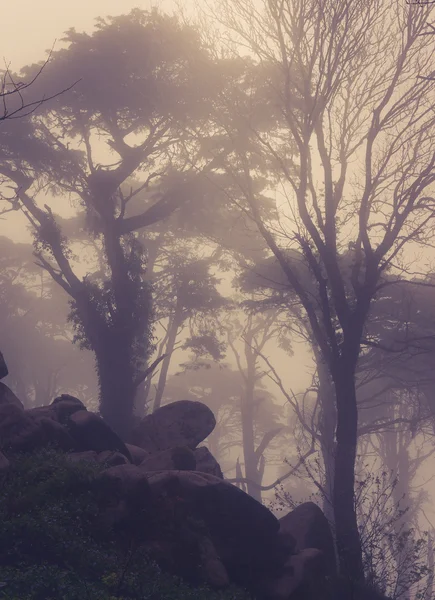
29, 30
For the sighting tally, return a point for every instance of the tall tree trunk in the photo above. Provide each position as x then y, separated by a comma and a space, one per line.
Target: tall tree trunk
327, 425
248, 433
174, 326
346, 525
117, 389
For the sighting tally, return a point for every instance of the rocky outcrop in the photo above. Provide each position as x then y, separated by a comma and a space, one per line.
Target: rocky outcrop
310, 529
206, 462
64, 406
180, 458
25, 431
107, 458
171, 496
182, 423
137, 454
227, 515
125, 501
90, 432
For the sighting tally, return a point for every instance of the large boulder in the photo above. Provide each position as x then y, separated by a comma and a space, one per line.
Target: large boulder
25, 432
109, 458
309, 528
3, 368
206, 462
180, 458
182, 423
244, 533
90, 432
125, 500
137, 454
7, 396
64, 406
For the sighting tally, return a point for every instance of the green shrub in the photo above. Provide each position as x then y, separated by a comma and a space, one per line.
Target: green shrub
51, 548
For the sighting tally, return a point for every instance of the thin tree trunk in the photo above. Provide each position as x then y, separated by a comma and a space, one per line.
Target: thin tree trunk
248, 434
174, 326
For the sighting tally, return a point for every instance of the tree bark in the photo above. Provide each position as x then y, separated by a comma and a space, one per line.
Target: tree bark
117, 389
248, 434
327, 425
346, 525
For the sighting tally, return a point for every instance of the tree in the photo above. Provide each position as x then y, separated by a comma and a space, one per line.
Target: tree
188, 294
144, 80
353, 149
13, 90
219, 386
255, 332
36, 339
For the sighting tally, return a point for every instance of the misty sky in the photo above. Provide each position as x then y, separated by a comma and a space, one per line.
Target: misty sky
30, 28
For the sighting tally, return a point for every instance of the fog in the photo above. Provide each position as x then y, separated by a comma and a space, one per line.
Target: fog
235, 206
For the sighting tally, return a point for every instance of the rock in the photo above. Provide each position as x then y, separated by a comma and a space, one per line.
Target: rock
4, 463
125, 500
137, 454
310, 529
183, 423
215, 572
54, 434
179, 458
206, 462
41, 412
3, 368
90, 432
22, 431
112, 459
298, 568
244, 533
68, 398
7, 396
64, 406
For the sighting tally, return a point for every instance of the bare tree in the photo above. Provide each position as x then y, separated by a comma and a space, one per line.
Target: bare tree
353, 149
254, 333
14, 94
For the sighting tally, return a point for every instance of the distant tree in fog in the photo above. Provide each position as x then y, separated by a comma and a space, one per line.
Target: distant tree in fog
35, 338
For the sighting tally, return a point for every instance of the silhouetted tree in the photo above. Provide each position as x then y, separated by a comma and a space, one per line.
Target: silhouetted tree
143, 83
15, 102
353, 149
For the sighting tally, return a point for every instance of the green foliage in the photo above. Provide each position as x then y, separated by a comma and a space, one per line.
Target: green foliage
52, 548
